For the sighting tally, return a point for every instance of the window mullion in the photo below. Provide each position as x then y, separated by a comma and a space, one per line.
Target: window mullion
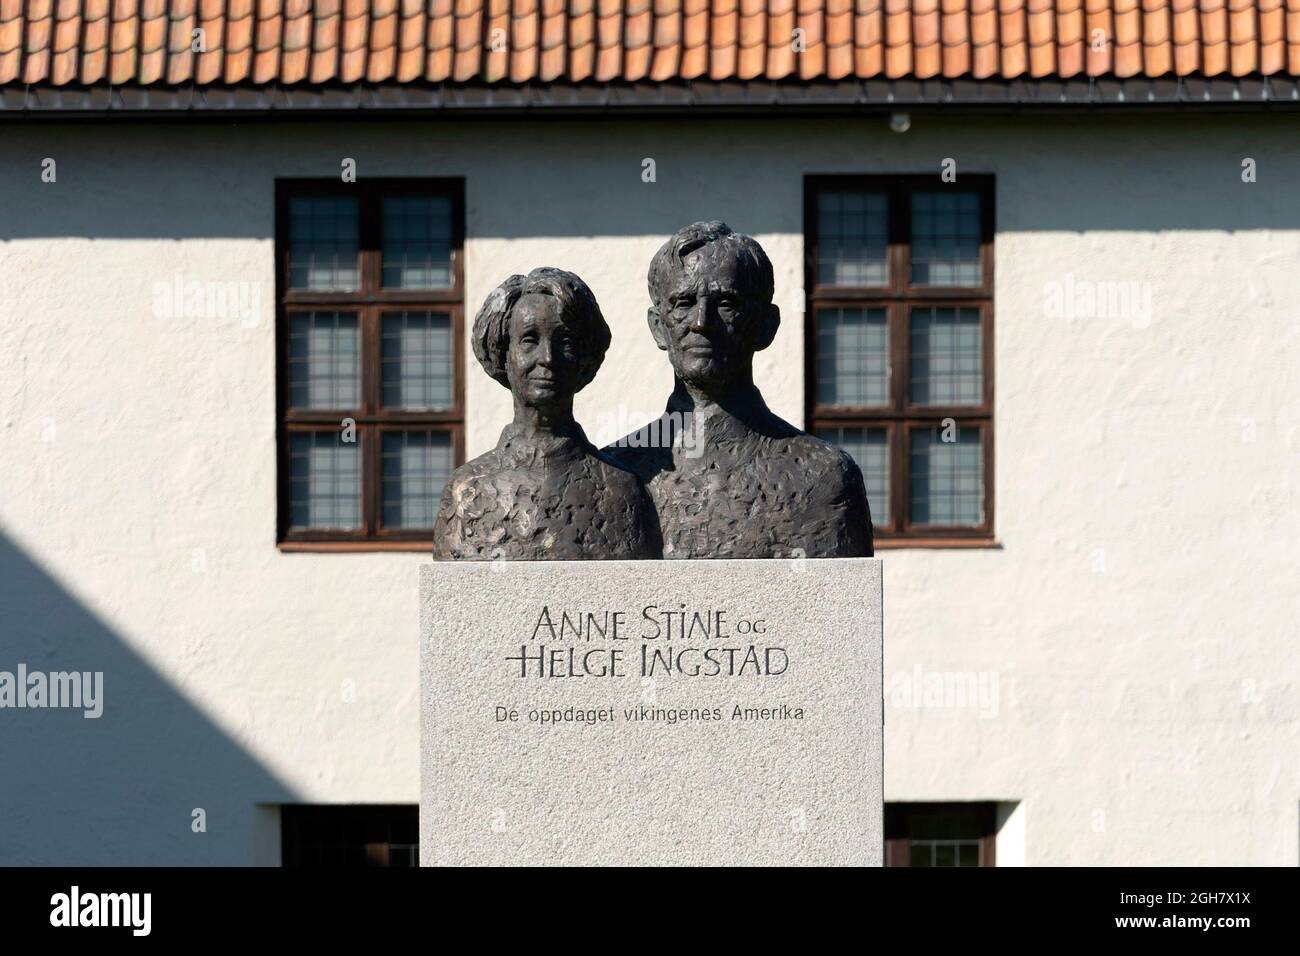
900, 217
372, 373
898, 356
370, 483
900, 471
899, 489
371, 229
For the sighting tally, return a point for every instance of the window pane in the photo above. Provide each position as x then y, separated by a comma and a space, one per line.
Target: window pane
852, 239
417, 360
324, 481
324, 360
417, 242
323, 240
870, 449
946, 239
416, 466
947, 361
947, 480
852, 357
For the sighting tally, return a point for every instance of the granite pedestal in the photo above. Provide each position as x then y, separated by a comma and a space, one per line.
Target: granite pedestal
716, 712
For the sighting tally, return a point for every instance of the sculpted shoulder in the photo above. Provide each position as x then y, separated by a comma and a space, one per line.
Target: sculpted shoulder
824, 469
827, 478
467, 498
466, 480
824, 462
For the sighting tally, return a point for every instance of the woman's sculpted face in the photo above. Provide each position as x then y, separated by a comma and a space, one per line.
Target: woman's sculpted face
542, 361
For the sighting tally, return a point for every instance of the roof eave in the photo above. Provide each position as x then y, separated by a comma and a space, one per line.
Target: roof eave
685, 97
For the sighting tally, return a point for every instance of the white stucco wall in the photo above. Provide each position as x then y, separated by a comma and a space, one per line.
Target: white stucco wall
1135, 629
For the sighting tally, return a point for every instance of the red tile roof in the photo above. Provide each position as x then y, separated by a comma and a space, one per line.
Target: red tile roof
153, 42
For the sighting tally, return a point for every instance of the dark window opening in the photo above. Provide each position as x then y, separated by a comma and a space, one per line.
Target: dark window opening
940, 834
350, 836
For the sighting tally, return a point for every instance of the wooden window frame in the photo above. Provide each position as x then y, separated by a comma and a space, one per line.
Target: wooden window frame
898, 838
370, 302
897, 298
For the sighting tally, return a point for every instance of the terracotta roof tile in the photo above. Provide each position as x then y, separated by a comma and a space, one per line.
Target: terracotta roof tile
927, 59
1186, 33
293, 52
1293, 37
752, 40
39, 30
898, 38
1214, 37
1098, 37
954, 37
1012, 38
638, 18
868, 37
1272, 36
1157, 52
1128, 38
525, 35
694, 39
580, 26
985, 50
211, 26
326, 30
1242, 36
665, 39
66, 48
470, 39
182, 42
91, 61
724, 32
496, 54
11, 39
552, 51
1041, 29
1069, 38
238, 53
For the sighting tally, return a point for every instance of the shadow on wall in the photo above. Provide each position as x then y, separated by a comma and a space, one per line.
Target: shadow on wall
574, 178
120, 789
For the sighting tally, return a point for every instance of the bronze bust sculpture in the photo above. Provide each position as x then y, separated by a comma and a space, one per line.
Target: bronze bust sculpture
717, 476
733, 480
545, 492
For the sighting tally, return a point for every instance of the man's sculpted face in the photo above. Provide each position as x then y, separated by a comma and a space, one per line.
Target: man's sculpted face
703, 315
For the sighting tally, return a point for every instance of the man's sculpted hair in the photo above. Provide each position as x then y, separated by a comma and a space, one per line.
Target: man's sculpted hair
755, 268
578, 311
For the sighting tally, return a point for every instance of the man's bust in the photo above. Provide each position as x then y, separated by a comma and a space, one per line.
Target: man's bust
728, 477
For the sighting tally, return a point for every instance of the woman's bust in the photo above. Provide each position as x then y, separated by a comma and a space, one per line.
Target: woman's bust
544, 492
